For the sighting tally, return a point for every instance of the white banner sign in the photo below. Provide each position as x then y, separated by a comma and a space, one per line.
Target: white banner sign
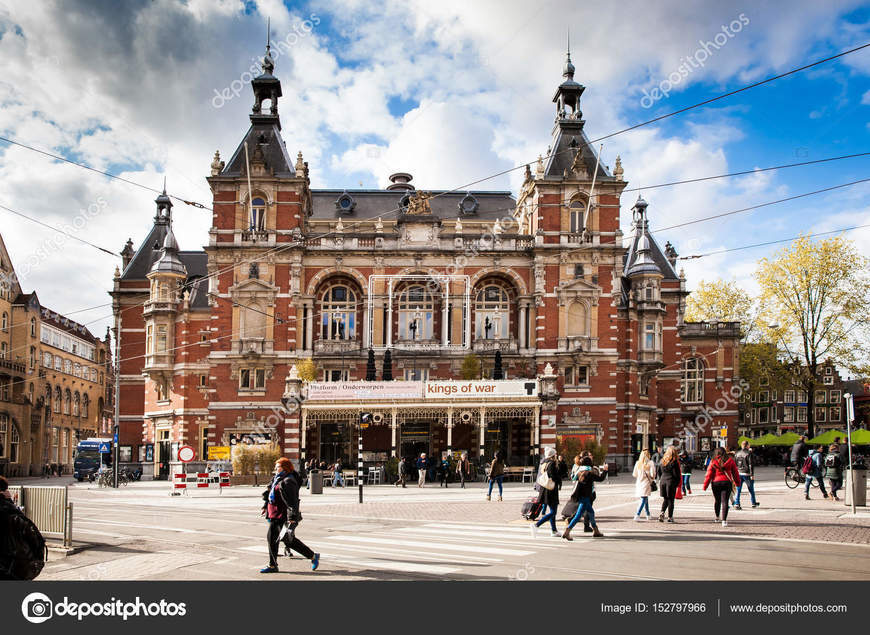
483, 388
374, 390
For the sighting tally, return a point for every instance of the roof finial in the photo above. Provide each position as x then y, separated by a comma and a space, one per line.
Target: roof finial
268, 62
568, 71
164, 184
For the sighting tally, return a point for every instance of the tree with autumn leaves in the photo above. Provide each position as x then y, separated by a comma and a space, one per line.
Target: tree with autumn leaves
813, 302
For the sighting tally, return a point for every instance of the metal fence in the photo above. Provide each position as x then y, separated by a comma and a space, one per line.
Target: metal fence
48, 508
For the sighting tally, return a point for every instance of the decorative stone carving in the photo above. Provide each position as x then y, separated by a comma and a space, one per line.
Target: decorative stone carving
618, 171
217, 165
418, 204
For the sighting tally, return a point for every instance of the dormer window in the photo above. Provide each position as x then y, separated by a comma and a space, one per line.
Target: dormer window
404, 202
345, 204
577, 210
468, 205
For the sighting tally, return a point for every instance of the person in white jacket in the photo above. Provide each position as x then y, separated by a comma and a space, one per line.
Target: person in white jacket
644, 475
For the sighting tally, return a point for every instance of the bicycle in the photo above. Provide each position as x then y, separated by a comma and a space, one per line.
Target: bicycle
794, 477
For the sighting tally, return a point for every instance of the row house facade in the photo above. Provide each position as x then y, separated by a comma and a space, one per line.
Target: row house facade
53, 383
777, 411
586, 323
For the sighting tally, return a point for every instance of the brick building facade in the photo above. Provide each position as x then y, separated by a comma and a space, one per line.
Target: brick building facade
212, 340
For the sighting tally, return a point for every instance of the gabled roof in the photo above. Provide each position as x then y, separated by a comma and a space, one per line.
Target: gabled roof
265, 135
568, 139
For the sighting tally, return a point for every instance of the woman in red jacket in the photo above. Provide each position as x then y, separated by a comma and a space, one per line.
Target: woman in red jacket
723, 474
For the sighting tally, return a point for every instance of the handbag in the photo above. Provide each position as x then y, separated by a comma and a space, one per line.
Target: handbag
653, 486
679, 493
544, 479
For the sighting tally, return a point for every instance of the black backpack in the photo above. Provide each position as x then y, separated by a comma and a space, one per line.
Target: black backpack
741, 459
831, 460
22, 549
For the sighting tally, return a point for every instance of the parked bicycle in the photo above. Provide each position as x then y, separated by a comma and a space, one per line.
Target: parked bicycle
107, 478
794, 477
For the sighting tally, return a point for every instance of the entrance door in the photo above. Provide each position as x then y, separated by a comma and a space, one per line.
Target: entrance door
496, 438
163, 455
416, 438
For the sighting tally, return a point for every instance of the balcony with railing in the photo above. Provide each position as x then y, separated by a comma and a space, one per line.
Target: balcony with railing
577, 343
253, 346
337, 346
505, 345
710, 329
19, 368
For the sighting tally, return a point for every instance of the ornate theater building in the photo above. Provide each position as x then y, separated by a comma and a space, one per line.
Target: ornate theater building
497, 321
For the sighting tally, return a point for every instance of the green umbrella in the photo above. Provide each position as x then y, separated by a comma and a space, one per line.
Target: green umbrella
827, 438
742, 439
767, 439
860, 437
789, 438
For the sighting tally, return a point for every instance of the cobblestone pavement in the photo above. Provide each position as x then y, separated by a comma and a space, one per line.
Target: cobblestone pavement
140, 532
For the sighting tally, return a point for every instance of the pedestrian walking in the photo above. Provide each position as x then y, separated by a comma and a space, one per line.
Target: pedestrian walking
834, 470
495, 473
686, 465
549, 493
564, 473
422, 467
403, 472
745, 461
281, 509
444, 470
337, 480
463, 469
670, 481
799, 452
587, 476
815, 470
644, 480
722, 476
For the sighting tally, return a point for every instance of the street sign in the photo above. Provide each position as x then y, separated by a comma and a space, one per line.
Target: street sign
219, 453
186, 454
723, 432
104, 448
115, 439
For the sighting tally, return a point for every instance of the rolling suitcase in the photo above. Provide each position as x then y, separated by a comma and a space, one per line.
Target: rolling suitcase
531, 507
570, 509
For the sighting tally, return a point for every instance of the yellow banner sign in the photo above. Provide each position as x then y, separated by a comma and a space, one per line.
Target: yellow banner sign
219, 453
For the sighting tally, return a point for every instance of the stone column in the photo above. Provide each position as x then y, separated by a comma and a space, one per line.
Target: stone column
450, 430
309, 326
522, 334
302, 427
300, 327
533, 323
389, 341
445, 313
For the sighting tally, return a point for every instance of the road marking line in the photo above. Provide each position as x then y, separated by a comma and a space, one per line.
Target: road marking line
435, 545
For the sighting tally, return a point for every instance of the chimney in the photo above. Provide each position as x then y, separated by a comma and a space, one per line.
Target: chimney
400, 181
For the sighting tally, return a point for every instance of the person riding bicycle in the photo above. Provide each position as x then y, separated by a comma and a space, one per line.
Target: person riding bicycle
799, 452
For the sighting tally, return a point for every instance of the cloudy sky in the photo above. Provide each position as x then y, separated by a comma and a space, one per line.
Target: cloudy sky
449, 91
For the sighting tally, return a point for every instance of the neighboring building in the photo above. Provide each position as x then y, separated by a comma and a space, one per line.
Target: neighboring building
860, 390
777, 411
590, 331
73, 362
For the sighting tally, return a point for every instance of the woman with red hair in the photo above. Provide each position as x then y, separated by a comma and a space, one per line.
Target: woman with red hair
281, 507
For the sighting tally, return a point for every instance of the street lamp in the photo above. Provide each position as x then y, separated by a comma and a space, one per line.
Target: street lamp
850, 415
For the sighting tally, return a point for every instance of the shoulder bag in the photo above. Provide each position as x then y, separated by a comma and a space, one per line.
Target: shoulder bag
544, 479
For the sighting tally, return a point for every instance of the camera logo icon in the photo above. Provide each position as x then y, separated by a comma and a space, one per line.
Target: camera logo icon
37, 608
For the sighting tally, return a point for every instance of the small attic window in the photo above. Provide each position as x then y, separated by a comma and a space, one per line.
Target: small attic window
468, 205
345, 204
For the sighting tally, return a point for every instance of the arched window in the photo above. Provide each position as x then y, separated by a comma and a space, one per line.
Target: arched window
86, 401
46, 360
338, 313
8, 439
576, 211
32, 327
162, 339
67, 400
149, 339
32, 357
693, 381
77, 403
77, 370
578, 319
416, 308
3, 350
492, 311
253, 320
258, 214
4, 321
30, 393
57, 399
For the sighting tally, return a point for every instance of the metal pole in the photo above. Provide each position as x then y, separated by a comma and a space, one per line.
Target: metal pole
359, 473
116, 437
850, 413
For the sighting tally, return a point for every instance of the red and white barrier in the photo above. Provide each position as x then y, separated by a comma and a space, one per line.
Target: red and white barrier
199, 480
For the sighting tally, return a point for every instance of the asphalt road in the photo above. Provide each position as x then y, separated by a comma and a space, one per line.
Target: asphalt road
141, 533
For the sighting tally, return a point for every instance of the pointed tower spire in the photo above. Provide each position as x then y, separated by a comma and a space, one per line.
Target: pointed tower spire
164, 207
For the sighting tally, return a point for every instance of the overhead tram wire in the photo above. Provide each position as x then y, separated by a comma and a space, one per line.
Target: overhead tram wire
497, 174
67, 234
773, 242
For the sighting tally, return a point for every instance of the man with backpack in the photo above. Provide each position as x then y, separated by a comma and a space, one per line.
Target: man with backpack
746, 468
22, 548
834, 469
812, 469
799, 452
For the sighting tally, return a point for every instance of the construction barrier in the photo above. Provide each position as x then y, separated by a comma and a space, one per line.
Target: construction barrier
199, 480
48, 508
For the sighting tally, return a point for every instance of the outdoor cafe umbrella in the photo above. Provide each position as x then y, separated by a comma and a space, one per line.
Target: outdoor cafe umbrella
827, 438
860, 437
767, 439
789, 438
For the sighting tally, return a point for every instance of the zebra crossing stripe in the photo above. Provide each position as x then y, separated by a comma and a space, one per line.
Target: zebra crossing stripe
446, 546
